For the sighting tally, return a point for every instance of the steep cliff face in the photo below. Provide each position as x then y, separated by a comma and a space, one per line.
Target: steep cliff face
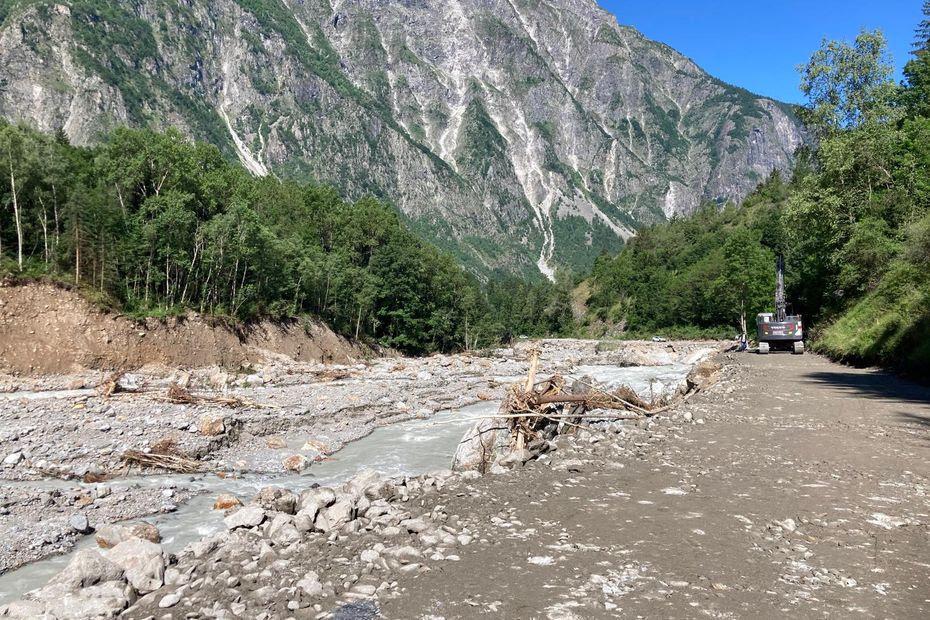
519, 134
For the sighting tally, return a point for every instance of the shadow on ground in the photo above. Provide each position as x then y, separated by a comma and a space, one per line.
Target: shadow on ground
874, 384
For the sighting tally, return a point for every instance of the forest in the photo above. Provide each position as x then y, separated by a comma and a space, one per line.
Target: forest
152, 224
853, 222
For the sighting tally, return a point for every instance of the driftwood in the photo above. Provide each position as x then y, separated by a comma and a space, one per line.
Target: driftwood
164, 454
170, 462
182, 396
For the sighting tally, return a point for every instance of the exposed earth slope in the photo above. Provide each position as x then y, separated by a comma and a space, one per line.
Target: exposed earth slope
519, 134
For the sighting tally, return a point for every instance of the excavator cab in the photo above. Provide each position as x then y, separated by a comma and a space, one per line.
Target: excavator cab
780, 330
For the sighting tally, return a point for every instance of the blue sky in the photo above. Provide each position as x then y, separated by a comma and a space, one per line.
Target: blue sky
757, 45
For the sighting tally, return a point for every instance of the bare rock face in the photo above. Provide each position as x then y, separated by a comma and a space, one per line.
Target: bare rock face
522, 135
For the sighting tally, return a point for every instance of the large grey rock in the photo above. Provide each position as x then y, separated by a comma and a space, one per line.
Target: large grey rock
80, 524
142, 561
277, 499
248, 516
104, 600
321, 497
482, 445
366, 483
336, 516
282, 530
87, 568
111, 534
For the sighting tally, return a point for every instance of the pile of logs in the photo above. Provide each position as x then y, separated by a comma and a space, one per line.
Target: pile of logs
533, 412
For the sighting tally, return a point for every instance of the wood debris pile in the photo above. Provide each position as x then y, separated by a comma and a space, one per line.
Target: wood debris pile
164, 454
182, 396
534, 412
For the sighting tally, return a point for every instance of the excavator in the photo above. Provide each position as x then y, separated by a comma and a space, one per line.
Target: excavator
780, 331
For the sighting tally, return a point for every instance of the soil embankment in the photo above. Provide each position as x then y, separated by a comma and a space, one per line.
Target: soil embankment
45, 329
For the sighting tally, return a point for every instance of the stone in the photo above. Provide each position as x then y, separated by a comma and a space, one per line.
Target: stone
277, 499
142, 561
363, 482
702, 376
275, 443
103, 600
334, 517
369, 556
80, 524
403, 554
322, 497
481, 445
296, 463
310, 584
249, 516
282, 530
169, 600
112, 534
13, 459
226, 501
305, 518
415, 526
87, 568
211, 426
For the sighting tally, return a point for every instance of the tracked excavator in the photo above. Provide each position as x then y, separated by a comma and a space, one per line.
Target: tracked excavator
780, 331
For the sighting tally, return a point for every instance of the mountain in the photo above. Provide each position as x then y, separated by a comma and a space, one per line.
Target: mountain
521, 135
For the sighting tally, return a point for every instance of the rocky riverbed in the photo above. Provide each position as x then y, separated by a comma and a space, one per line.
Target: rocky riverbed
287, 417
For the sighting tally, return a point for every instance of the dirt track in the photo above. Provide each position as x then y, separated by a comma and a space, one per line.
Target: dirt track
805, 494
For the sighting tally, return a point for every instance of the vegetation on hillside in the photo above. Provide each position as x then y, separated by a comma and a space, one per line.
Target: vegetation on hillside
156, 224
853, 223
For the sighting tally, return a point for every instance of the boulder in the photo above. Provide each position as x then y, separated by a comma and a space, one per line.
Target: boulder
112, 534
365, 481
282, 531
310, 584
336, 516
87, 568
103, 600
211, 426
482, 444
249, 516
321, 497
275, 443
13, 459
80, 524
296, 462
142, 561
703, 376
277, 499
226, 501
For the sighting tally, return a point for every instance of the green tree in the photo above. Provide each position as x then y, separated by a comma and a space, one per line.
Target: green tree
916, 94
848, 85
747, 282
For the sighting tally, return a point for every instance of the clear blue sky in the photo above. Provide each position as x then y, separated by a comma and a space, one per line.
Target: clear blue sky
757, 45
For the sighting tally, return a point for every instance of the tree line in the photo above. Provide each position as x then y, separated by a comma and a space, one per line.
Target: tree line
154, 224
853, 222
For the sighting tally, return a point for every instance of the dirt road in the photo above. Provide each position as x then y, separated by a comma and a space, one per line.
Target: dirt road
804, 494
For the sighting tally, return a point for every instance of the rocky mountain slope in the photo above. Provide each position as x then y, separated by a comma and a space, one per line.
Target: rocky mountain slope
519, 134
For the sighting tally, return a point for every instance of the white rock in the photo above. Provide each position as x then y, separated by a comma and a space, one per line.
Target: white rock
169, 600
142, 562
248, 516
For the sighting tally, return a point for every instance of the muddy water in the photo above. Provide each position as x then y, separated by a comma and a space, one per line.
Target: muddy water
407, 448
